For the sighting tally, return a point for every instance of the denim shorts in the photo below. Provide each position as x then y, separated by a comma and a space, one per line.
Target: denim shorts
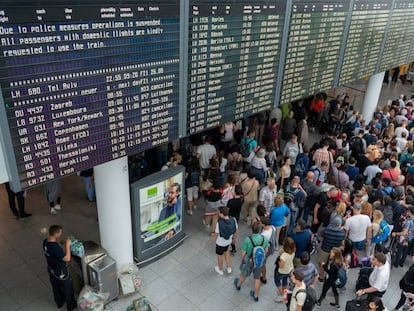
359, 245
281, 279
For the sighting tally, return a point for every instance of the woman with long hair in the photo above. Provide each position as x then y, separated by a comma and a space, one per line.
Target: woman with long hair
331, 268
285, 267
284, 173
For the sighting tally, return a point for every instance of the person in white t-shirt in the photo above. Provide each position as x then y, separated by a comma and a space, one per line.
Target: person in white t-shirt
205, 153
299, 291
358, 228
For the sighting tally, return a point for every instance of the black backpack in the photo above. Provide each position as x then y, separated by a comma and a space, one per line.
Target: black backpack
310, 300
356, 145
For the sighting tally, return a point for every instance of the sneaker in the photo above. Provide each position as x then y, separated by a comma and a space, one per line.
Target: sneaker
229, 270
318, 303
58, 207
52, 211
235, 282
25, 215
320, 280
256, 299
190, 212
218, 270
333, 304
264, 281
195, 207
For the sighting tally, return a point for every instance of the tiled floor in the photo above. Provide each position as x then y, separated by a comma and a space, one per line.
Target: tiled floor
183, 280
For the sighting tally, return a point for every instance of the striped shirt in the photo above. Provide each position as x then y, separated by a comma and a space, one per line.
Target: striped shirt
309, 272
332, 238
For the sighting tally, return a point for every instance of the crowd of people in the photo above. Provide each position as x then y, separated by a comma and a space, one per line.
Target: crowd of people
349, 197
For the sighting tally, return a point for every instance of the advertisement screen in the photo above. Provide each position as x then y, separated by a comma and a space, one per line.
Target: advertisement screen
157, 209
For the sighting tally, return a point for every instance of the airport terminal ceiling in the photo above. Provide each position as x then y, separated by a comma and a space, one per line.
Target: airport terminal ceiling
83, 84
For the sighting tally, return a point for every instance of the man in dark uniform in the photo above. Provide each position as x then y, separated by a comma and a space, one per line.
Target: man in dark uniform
56, 266
20, 202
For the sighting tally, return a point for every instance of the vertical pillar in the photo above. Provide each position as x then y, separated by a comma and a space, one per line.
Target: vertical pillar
114, 210
372, 95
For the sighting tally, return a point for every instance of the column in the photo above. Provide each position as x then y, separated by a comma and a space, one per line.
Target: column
372, 95
114, 210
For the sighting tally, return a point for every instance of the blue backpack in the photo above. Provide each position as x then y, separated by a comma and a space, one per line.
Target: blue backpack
341, 278
258, 253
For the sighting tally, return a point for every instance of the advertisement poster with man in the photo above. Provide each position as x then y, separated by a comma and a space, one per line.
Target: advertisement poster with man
160, 211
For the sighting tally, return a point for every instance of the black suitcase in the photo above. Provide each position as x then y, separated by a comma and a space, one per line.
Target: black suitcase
356, 305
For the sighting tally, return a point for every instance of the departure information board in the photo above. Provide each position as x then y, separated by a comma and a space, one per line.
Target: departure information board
84, 84
315, 37
233, 60
365, 37
400, 32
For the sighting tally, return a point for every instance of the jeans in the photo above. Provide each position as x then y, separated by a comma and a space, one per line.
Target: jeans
89, 187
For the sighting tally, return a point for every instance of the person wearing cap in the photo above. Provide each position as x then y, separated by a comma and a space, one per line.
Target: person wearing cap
332, 236
358, 228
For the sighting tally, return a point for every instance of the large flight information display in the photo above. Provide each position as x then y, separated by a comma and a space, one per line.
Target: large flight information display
83, 84
400, 32
233, 60
315, 37
365, 37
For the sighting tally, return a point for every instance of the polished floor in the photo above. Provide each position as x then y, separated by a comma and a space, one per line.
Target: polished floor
183, 280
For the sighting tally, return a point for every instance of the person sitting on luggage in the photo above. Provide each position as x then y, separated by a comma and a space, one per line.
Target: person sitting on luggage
379, 278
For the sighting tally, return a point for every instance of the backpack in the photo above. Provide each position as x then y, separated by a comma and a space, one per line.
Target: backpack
235, 164
289, 198
272, 243
312, 247
310, 300
244, 148
227, 228
258, 253
194, 178
341, 278
299, 169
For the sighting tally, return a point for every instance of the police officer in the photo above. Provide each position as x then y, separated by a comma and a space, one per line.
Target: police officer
56, 265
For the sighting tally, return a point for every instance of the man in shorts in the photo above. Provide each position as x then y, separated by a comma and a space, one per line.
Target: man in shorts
246, 267
225, 233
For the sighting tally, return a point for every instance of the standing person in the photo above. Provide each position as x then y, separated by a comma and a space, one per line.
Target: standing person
287, 253
309, 270
250, 187
87, 176
251, 144
333, 236
258, 166
20, 202
192, 182
284, 173
292, 149
303, 131
289, 126
246, 256
212, 207
267, 194
225, 233
59, 276
234, 162
406, 237
299, 291
358, 228
278, 215
235, 206
302, 237
205, 153
52, 190
323, 155
331, 268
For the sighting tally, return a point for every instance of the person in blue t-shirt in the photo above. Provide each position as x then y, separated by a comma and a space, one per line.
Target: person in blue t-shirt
302, 238
278, 215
